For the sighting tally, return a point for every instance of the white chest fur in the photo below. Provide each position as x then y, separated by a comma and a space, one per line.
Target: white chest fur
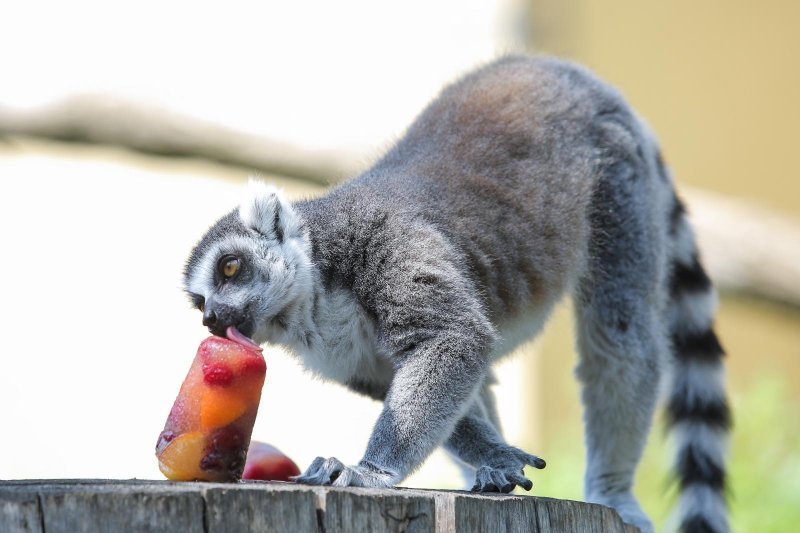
343, 340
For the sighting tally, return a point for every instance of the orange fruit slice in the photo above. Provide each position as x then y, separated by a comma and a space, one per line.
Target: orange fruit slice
180, 461
220, 407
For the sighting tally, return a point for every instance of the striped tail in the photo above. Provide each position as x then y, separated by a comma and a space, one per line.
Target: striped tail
698, 413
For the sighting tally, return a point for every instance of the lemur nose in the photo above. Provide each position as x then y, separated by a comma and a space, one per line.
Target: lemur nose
209, 318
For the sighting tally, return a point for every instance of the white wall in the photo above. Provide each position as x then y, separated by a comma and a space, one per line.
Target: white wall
97, 334
347, 74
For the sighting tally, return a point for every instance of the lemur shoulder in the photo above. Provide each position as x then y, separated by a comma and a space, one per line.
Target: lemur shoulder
523, 181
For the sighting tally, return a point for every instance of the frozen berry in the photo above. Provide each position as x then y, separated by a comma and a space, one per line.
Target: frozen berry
226, 439
254, 365
217, 374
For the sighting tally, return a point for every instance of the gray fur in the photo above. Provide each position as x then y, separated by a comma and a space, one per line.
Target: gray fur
523, 181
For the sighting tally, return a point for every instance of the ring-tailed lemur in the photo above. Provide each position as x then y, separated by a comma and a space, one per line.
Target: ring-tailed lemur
526, 179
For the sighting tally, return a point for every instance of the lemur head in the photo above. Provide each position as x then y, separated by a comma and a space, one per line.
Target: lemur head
252, 267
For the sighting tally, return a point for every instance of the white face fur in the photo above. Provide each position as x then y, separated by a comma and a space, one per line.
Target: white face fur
274, 267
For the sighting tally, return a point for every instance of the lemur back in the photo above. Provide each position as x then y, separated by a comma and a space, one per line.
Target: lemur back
523, 181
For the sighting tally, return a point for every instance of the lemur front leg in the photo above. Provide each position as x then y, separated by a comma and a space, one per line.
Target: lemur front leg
432, 387
429, 316
477, 442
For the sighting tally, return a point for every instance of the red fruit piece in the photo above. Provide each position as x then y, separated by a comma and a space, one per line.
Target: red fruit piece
255, 365
217, 374
225, 452
266, 463
213, 347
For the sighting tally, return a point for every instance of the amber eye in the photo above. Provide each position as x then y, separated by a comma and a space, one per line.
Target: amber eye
229, 266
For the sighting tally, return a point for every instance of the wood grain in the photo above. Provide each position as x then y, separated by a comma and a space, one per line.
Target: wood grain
86, 505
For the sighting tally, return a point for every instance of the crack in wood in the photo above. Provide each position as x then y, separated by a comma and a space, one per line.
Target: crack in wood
404, 521
320, 520
40, 511
203, 495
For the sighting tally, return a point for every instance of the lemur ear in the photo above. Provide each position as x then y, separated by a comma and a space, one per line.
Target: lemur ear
266, 211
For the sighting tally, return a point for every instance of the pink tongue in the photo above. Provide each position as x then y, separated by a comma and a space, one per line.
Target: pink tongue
235, 335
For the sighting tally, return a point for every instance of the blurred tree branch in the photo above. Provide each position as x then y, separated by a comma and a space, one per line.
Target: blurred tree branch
103, 119
747, 248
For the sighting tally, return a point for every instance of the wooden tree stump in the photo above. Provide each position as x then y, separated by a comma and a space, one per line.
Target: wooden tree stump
91, 505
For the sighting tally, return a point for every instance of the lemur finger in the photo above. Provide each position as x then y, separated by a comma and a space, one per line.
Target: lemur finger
315, 465
307, 479
332, 468
344, 478
311, 472
520, 480
499, 480
483, 480
536, 462
321, 472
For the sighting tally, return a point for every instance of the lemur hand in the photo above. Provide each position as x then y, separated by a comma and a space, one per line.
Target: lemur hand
333, 472
505, 471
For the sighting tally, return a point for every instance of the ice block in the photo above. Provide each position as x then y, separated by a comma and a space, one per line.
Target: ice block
208, 429
267, 463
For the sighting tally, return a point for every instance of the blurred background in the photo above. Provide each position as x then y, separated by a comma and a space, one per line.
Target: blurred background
127, 129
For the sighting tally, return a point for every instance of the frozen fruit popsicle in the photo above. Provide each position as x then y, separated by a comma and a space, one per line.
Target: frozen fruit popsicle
208, 429
266, 462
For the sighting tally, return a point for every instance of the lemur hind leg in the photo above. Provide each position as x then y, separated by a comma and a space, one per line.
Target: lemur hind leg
620, 337
619, 373
488, 409
490, 403
479, 448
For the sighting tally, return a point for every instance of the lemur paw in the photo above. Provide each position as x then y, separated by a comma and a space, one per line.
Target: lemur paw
627, 507
333, 472
505, 471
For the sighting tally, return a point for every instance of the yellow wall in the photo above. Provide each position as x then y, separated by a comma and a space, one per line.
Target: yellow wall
719, 81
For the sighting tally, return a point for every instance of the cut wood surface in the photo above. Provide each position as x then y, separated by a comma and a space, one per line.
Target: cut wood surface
138, 505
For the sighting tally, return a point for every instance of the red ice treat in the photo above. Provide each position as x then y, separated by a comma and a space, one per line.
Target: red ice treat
208, 429
265, 462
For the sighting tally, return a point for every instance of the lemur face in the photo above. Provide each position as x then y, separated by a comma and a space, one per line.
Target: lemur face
251, 266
